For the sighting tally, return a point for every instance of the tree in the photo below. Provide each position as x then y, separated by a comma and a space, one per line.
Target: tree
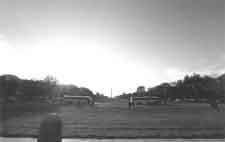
222, 84
33, 90
86, 92
100, 97
51, 81
8, 86
51, 87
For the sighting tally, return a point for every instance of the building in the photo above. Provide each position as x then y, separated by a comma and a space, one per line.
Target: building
140, 89
78, 99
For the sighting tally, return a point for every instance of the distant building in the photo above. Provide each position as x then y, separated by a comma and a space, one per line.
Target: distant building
78, 99
141, 89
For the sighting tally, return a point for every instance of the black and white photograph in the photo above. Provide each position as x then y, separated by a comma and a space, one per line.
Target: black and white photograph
112, 70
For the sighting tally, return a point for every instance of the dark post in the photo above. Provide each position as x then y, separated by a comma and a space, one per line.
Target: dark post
50, 129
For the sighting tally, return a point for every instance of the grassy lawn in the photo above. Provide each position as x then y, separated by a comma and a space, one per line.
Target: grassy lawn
115, 120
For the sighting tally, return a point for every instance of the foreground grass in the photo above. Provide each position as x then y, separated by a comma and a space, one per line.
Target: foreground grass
115, 120
25, 109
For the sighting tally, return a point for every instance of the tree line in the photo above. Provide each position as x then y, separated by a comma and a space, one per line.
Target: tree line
193, 87
14, 89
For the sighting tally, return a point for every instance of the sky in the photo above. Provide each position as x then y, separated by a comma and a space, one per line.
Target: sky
118, 44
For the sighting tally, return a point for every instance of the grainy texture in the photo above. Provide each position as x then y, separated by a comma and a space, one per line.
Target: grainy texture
115, 120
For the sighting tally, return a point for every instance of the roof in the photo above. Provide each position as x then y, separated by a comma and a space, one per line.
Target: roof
147, 98
77, 97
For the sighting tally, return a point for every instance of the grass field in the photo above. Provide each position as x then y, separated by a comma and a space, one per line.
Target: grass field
115, 120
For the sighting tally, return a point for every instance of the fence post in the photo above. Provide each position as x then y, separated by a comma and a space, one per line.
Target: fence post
50, 129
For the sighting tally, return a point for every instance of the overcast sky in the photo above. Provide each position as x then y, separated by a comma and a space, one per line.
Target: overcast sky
118, 44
